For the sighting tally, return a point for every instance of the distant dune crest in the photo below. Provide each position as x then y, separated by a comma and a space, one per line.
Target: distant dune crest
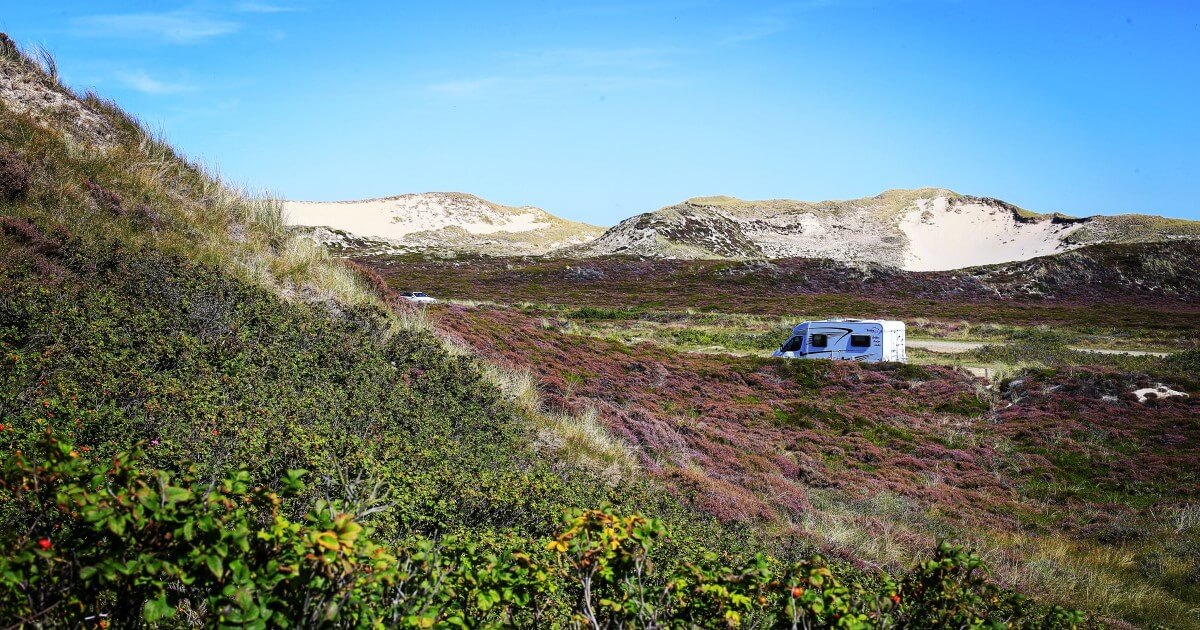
438, 221
927, 229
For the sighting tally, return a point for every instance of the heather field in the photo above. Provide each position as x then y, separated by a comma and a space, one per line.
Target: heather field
1111, 299
1068, 486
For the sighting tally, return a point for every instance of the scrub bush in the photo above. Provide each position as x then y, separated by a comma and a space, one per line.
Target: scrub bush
115, 542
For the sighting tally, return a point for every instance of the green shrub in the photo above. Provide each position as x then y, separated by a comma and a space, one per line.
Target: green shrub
964, 405
594, 313
807, 373
907, 371
1182, 368
115, 541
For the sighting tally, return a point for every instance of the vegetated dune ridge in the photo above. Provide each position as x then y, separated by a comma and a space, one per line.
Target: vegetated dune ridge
1150, 277
926, 229
451, 222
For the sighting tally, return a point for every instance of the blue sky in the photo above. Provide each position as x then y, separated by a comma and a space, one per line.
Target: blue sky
597, 111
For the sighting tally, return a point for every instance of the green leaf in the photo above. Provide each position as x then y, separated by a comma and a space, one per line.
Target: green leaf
175, 494
215, 565
157, 609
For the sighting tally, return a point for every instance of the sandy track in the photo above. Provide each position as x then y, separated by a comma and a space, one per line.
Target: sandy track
954, 347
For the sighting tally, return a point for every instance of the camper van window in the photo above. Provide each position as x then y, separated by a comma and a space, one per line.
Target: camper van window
819, 341
860, 341
793, 344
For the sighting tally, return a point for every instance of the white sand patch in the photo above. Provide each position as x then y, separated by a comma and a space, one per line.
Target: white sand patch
1158, 391
944, 234
397, 217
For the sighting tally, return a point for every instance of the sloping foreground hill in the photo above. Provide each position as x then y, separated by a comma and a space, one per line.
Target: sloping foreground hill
926, 229
435, 221
141, 302
204, 422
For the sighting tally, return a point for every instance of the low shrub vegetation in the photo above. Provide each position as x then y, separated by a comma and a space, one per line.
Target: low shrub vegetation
113, 543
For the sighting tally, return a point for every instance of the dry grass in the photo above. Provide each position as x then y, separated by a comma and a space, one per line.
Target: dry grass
1102, 579
579, 438
1187, 518
203, 217
191, 208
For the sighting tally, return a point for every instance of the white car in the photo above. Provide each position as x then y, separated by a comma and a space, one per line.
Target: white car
417, 297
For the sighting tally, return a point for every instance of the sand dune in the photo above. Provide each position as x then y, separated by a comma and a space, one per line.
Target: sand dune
450, 221
944, 235
397, 217
927, 229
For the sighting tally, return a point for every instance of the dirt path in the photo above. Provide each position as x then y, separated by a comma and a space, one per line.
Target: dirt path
954, 347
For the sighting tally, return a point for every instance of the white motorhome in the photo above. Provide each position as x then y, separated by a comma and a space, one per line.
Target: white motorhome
853, 339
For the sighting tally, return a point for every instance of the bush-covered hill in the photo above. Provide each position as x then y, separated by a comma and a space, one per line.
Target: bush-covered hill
204, 422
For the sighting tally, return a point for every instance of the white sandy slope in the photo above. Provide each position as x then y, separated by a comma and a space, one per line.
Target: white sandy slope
944, 234
397, 217
446, 221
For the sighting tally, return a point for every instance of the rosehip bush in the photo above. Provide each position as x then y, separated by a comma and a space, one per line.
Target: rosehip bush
112, 542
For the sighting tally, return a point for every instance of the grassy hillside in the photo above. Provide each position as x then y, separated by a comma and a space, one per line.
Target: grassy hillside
144, 302
205, 422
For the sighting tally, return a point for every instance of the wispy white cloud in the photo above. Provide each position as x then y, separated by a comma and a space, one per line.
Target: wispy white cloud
146, 84
465, 87
177, 27
638, 8
536, 73
543, 85
630, 58
768, 19
754, 29
263, 7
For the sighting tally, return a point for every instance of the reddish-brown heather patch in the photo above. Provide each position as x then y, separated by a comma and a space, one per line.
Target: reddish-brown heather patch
105, 198
15, 175
33, 247
746, 439
149, 216
373, 280
28, 234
